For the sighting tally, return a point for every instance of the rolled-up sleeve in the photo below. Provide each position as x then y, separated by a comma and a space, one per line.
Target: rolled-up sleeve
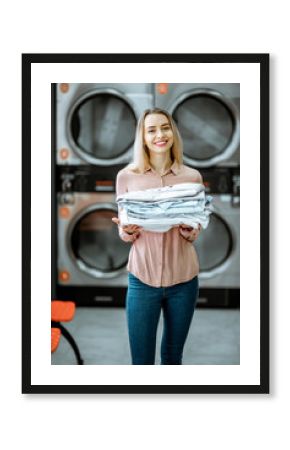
199, 178
121, 188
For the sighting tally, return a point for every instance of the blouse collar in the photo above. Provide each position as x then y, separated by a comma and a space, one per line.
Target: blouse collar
174, 169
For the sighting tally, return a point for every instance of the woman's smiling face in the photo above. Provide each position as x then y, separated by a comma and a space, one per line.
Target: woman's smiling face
158, 134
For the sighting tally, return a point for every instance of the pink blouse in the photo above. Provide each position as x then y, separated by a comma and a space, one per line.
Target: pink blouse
159, 259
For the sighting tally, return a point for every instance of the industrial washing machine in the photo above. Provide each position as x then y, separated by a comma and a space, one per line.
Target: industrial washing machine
96, 122
218, 246
207, 116
94, 132
91, 258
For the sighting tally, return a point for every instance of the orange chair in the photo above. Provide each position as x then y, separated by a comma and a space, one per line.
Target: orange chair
55, 338
63, 311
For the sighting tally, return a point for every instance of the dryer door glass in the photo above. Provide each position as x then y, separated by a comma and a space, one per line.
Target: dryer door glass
214, 244
96, 242
206, 126
103, 126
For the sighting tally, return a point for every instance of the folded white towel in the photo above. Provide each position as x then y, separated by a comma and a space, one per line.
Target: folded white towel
166, 192
163, 225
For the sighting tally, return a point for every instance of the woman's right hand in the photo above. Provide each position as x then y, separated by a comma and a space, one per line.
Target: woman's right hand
129, 229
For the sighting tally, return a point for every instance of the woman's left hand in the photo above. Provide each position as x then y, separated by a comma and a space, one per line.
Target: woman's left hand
189, 233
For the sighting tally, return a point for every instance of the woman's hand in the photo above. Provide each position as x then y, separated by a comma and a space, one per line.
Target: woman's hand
189, 233
129, 229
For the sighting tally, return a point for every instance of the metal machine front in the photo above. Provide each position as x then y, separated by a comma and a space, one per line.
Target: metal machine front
90, 251
96, 122
218, 247
207, 116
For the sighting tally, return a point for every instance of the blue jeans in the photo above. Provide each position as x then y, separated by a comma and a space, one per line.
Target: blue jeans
143, 307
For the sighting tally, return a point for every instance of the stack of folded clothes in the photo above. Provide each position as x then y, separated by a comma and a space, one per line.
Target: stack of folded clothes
162, 208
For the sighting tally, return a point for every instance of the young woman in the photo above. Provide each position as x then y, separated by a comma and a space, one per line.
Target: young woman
163, 267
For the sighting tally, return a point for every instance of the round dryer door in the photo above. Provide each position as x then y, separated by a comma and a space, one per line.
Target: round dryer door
209, 126
213, 246
101, 127
96, 245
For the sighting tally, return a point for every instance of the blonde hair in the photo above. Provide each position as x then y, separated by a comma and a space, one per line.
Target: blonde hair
141, 159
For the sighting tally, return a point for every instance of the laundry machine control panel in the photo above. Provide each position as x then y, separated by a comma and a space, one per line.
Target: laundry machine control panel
222, 180
86, 179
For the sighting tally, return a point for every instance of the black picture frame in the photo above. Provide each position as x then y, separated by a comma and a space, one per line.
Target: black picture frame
262, 60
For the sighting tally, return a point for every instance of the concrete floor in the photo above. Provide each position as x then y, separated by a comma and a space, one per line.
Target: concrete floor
101, 335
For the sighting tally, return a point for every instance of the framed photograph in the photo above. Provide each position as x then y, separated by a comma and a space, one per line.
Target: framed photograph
199, 121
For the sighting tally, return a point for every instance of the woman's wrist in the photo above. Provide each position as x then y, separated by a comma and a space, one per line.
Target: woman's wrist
193, 234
